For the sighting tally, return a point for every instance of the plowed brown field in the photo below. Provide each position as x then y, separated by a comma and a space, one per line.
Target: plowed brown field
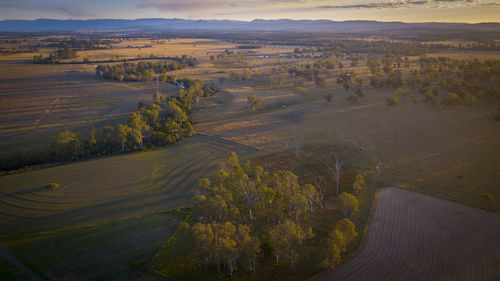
417, 237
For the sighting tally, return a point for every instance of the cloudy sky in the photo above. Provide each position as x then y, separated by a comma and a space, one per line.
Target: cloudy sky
381, 10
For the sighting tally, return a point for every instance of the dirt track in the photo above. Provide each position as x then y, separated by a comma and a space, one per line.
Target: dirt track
417, 237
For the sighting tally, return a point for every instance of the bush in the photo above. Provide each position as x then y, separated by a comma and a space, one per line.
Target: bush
352, 98
360, 93
329, 98
450, 99
392, 101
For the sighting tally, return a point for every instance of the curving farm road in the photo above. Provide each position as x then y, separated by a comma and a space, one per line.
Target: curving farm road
412, 236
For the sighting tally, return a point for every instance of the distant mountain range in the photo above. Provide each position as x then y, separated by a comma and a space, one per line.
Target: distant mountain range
156, 25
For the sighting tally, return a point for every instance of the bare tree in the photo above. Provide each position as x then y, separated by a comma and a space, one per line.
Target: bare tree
318, 182
335, 168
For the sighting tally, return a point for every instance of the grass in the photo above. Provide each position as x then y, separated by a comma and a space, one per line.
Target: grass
119, 249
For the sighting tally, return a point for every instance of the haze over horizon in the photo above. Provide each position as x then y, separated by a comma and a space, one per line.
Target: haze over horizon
468, 11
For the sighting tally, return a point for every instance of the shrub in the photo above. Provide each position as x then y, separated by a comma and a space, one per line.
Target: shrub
360, 93
392, 101
413, 98
329, 98
352, 98
450, 99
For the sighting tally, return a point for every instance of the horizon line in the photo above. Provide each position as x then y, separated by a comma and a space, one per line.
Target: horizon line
249, 21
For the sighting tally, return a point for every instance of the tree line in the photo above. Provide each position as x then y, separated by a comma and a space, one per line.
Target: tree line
143, 71
84, 44
60, 54
165, 121
244, 213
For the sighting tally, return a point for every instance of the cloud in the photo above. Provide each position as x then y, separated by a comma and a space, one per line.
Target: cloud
64, 9
409, 4
207, 5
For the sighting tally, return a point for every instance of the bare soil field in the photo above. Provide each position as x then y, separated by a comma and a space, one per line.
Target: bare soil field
109, 188
412, 236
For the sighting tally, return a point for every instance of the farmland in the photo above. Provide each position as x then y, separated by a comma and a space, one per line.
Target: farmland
62, 220
110, 188
424, 232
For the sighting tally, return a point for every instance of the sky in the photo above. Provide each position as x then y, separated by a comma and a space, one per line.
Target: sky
471, 11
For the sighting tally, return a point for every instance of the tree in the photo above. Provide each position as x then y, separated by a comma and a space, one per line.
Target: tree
392, 101
352, 98
204, 237
347, 229
152, 114
311, 194
66, 145
360, 93
402, 91
122, 132
107, 137
321, 190
320, 82
469, 99
332, 251
137, 128
347, 203
91, 142
249, 246
450, 99
301, 90
255, 101
329, 98
335, 168
226, 246
359, 184
248, 193
285, 240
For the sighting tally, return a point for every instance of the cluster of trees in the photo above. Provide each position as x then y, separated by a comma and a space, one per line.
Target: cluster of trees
387, 71
439, 80
163, 122
228, 56
244, 209
248, 47
143, 71
84, 44
61, 54
309, 71
349, 46
245, 75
